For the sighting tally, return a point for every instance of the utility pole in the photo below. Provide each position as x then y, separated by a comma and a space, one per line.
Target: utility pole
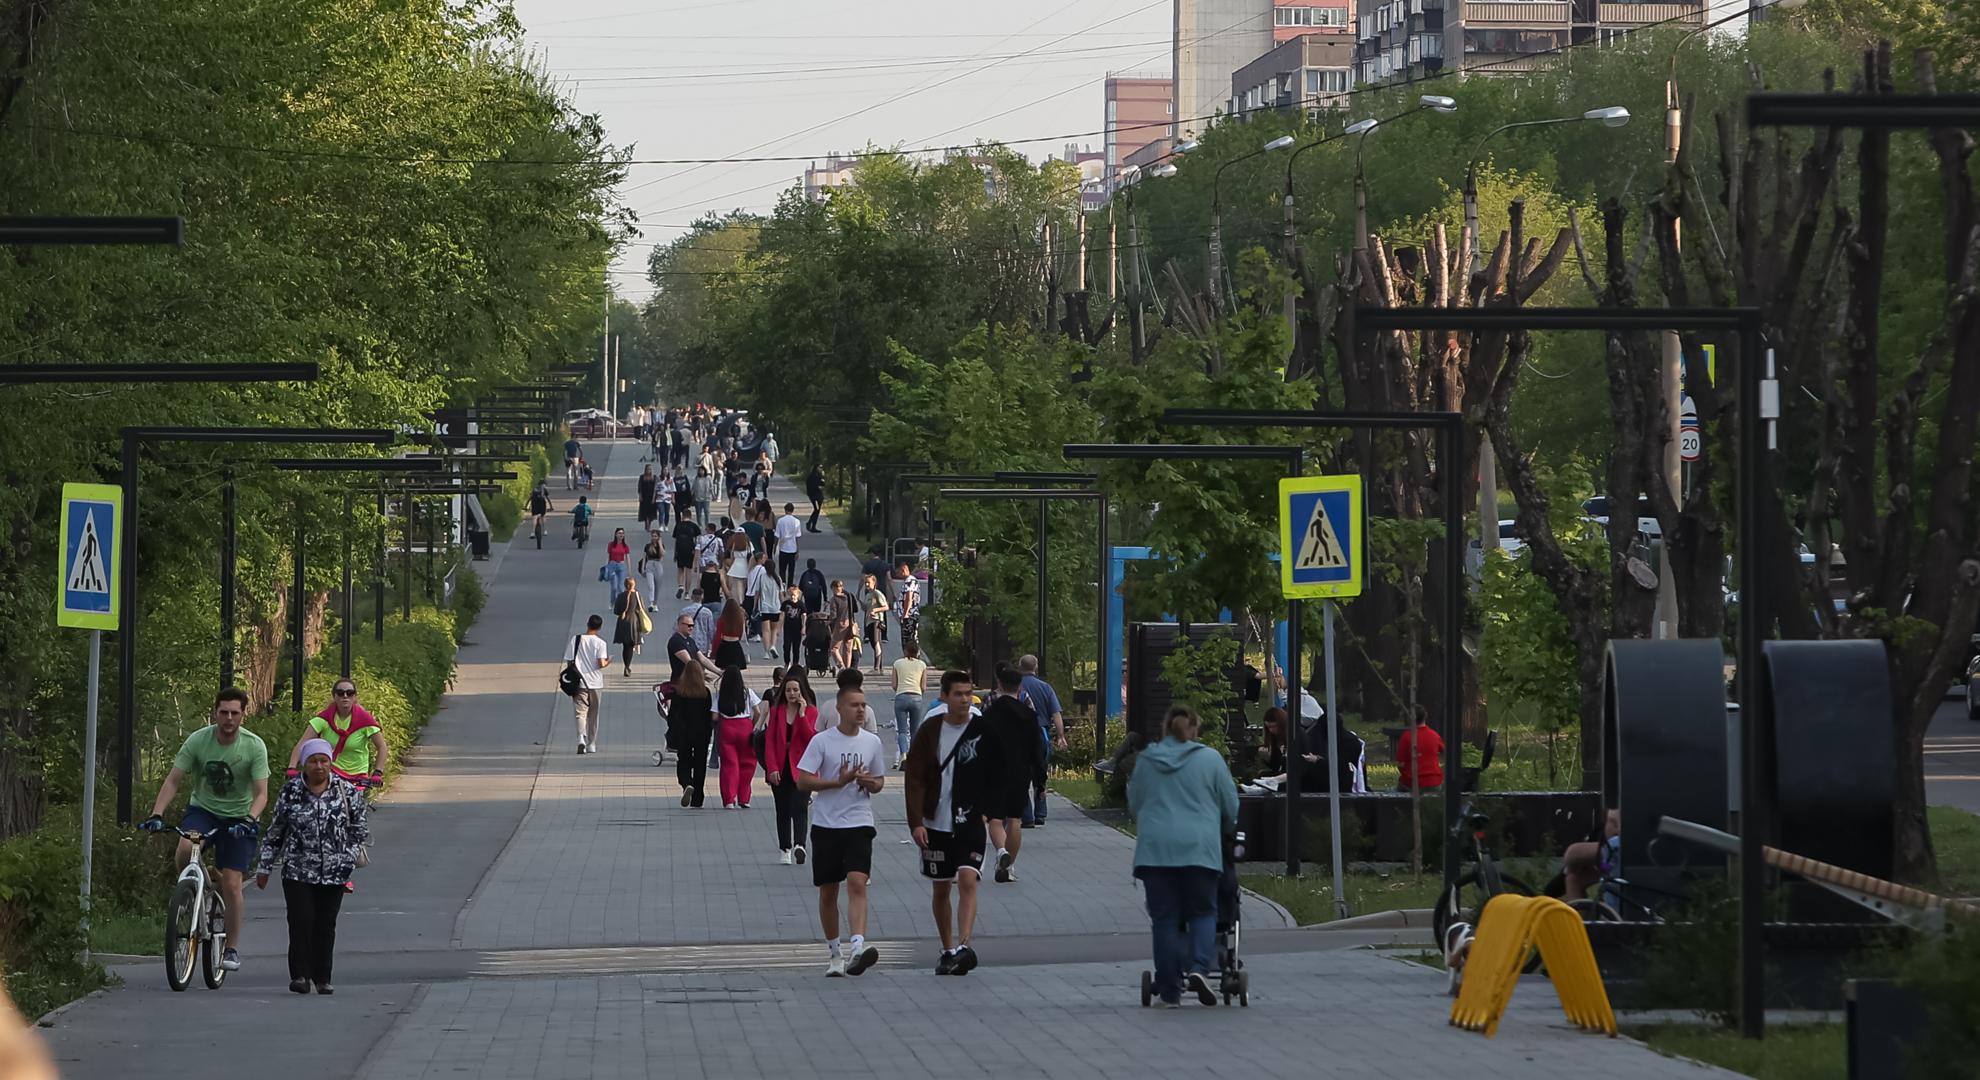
1136, 339
605, 354
617, 389
1670, 385
1488, 465
1079, 252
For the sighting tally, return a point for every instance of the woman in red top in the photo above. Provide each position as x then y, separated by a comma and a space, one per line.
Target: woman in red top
616, 568
730, 626
1420, 754
793, 721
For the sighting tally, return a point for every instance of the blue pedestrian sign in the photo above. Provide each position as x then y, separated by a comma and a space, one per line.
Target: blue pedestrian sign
1320, 537
86, 586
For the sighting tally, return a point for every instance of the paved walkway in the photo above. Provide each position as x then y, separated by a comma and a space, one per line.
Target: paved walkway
531, 912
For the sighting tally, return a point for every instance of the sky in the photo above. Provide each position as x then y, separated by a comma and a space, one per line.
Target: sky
715, 79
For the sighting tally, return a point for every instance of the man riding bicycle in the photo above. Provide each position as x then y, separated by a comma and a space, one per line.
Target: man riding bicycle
539, 505
228, 765
581, 519
572, 452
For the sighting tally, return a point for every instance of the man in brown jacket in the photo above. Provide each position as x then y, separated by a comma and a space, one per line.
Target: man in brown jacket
953, 771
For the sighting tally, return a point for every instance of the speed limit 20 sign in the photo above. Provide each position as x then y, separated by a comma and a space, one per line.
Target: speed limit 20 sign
1690, 445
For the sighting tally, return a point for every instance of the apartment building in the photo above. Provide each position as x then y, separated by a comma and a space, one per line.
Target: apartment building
1405, 40
819, 180
1312, 71
1213, 38
1140, 109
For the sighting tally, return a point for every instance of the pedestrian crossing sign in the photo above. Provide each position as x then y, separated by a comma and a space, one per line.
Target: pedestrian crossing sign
86, 587
1320, 537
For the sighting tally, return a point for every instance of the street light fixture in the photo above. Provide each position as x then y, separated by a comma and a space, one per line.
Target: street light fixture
1217, 211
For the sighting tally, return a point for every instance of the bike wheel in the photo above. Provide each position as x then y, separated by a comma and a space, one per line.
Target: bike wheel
1592, 910
1470, 901
181, 935
215, 941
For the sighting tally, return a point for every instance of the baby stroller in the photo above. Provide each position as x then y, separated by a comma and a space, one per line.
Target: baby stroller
1232, 982
663, 693
818, 643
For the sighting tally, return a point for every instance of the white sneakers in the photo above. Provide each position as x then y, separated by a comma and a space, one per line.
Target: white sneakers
837, 968
798, 851
785, 858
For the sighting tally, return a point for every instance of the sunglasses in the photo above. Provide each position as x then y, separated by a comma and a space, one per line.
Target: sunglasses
344, 693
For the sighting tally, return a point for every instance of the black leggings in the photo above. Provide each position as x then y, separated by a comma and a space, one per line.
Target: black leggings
692, 768
793, 812
312, 927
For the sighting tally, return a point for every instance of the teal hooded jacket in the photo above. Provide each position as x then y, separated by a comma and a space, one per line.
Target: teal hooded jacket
1184, 802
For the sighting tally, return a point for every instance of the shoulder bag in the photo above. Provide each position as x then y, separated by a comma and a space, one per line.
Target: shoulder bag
570, 681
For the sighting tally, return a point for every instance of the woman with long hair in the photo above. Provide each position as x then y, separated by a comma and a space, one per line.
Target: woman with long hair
735, 722
793, 721
794, 612
632, 622
690, 724
736, 545
730, 626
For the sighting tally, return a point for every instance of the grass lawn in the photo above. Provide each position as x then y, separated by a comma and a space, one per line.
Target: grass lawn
1798, 1052
1956, 838
1310, 898
113, 931
1081, 791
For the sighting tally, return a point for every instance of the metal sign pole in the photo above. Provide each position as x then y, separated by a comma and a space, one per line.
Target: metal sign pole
1333, 765
89, 777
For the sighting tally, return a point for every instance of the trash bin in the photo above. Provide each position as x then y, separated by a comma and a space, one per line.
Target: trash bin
478, 544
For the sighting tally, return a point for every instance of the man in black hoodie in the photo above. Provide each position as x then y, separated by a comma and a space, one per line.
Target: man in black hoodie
1023, 751
953, 770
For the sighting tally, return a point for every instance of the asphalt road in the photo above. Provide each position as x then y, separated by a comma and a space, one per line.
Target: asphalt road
1952, 758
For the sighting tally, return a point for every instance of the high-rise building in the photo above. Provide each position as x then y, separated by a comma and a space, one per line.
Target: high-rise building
837, 172
1212, 39
1140, 108
1404, 40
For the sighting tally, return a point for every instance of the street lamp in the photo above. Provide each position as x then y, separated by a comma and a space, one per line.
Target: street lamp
1613, 116
1671, 363
1217, 213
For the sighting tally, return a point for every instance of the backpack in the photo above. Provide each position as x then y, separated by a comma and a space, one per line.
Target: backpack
569, 680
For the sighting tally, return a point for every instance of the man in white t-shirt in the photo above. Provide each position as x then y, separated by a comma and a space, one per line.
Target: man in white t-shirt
788, 530
843, 768
589, 652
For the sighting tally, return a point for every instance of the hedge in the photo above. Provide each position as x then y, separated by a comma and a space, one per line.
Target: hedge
400, 680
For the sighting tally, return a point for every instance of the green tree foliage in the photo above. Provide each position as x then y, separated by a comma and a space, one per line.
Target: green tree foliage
391, 190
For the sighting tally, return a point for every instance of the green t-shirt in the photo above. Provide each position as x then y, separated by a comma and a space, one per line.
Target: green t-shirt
222, 777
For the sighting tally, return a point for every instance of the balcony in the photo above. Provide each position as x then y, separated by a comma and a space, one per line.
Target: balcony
1641, 14
1521, 13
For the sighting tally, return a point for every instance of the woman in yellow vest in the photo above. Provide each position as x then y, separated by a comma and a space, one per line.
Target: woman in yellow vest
357, 741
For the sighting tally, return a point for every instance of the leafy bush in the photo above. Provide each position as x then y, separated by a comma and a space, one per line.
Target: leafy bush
1947, 972
41, 919
1199, 680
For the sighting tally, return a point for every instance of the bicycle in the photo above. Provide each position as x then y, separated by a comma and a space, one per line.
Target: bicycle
1465, 899
195, 922
580, 532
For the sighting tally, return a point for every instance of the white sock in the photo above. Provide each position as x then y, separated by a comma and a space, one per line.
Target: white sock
858, 943
834, 944
1001, 852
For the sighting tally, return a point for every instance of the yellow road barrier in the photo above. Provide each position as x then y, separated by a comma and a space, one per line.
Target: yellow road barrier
1507, 928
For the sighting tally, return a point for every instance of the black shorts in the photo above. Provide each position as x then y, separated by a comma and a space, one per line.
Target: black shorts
1014, 802
836, 853
949, 852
